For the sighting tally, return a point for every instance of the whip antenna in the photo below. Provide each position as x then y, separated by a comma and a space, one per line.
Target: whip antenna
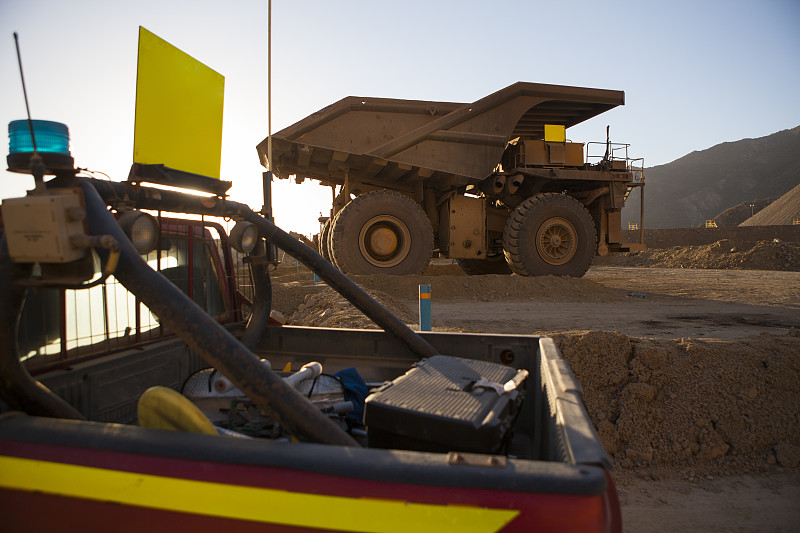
24, 90
37, 164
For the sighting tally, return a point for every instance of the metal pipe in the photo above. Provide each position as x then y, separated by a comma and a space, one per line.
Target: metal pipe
209, 339
17, 388
641, 211
310, 370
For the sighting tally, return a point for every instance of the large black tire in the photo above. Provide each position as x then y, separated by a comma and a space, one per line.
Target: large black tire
493, 264
324, 241
550, 234
381, 232
329, 240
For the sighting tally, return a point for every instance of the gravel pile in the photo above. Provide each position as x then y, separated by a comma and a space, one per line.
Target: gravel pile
762, 255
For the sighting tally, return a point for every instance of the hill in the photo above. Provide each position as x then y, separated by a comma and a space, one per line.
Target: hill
783, 211
702, 184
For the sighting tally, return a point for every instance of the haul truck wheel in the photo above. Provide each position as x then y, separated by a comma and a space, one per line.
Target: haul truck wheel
381, 232
550, 234
495, 263
329, 240
324, 237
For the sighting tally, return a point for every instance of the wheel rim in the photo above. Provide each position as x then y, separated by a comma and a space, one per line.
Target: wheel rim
556, 241
384, 241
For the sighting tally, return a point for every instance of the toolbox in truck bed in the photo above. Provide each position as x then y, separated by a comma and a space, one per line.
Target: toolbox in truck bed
446, 404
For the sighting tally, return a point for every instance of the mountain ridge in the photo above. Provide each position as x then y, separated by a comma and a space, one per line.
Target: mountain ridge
702, 184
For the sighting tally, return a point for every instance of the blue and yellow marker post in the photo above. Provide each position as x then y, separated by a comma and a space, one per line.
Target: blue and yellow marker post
424, 307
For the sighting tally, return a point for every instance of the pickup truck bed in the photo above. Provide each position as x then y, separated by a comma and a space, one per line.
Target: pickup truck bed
124, 476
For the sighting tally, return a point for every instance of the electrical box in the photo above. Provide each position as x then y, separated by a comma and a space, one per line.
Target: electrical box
543, 153
38, 227
463, 227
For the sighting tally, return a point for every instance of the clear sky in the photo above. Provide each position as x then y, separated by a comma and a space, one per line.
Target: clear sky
695, 73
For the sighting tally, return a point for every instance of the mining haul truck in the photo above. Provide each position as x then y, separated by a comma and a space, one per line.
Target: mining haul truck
493, 184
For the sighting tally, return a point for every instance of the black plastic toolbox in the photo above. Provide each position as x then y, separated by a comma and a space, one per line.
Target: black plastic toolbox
446, 404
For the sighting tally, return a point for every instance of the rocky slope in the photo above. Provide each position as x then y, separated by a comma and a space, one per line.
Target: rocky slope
698, 186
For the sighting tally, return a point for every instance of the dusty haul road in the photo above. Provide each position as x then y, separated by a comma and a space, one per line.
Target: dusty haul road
691, 376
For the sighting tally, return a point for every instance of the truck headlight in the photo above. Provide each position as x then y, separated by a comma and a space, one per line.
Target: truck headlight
142, 229
244, 236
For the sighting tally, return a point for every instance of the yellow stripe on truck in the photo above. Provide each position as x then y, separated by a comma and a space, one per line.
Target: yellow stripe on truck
246, 503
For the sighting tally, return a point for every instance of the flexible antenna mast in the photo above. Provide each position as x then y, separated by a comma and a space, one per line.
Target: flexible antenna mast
37, 164
24, 90
269, 85
266, 209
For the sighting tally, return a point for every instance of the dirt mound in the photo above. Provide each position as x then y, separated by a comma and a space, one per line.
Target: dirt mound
697, 407
490, 288
328, 309
784, 210
762, 255
291, 287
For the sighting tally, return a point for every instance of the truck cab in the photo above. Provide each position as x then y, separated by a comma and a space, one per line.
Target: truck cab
59, 327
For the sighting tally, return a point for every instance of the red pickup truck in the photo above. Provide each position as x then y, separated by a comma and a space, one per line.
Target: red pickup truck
384, 453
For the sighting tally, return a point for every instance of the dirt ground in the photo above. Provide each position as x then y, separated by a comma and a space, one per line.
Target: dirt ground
691, 375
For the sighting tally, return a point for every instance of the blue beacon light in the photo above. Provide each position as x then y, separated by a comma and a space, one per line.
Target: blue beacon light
52, 144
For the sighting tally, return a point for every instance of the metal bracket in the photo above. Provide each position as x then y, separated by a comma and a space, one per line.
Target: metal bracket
177, 178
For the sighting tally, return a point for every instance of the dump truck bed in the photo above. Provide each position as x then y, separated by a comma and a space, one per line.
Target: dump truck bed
392, 142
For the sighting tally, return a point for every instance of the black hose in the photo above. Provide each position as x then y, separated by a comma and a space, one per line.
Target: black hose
209, 339
146, 198
17, 388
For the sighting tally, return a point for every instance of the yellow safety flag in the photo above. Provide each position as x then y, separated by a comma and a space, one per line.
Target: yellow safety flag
178, 109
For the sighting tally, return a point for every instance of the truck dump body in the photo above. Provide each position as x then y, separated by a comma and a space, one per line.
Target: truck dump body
392, 142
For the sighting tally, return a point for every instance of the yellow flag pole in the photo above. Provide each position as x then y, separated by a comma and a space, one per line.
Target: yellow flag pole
266, 210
